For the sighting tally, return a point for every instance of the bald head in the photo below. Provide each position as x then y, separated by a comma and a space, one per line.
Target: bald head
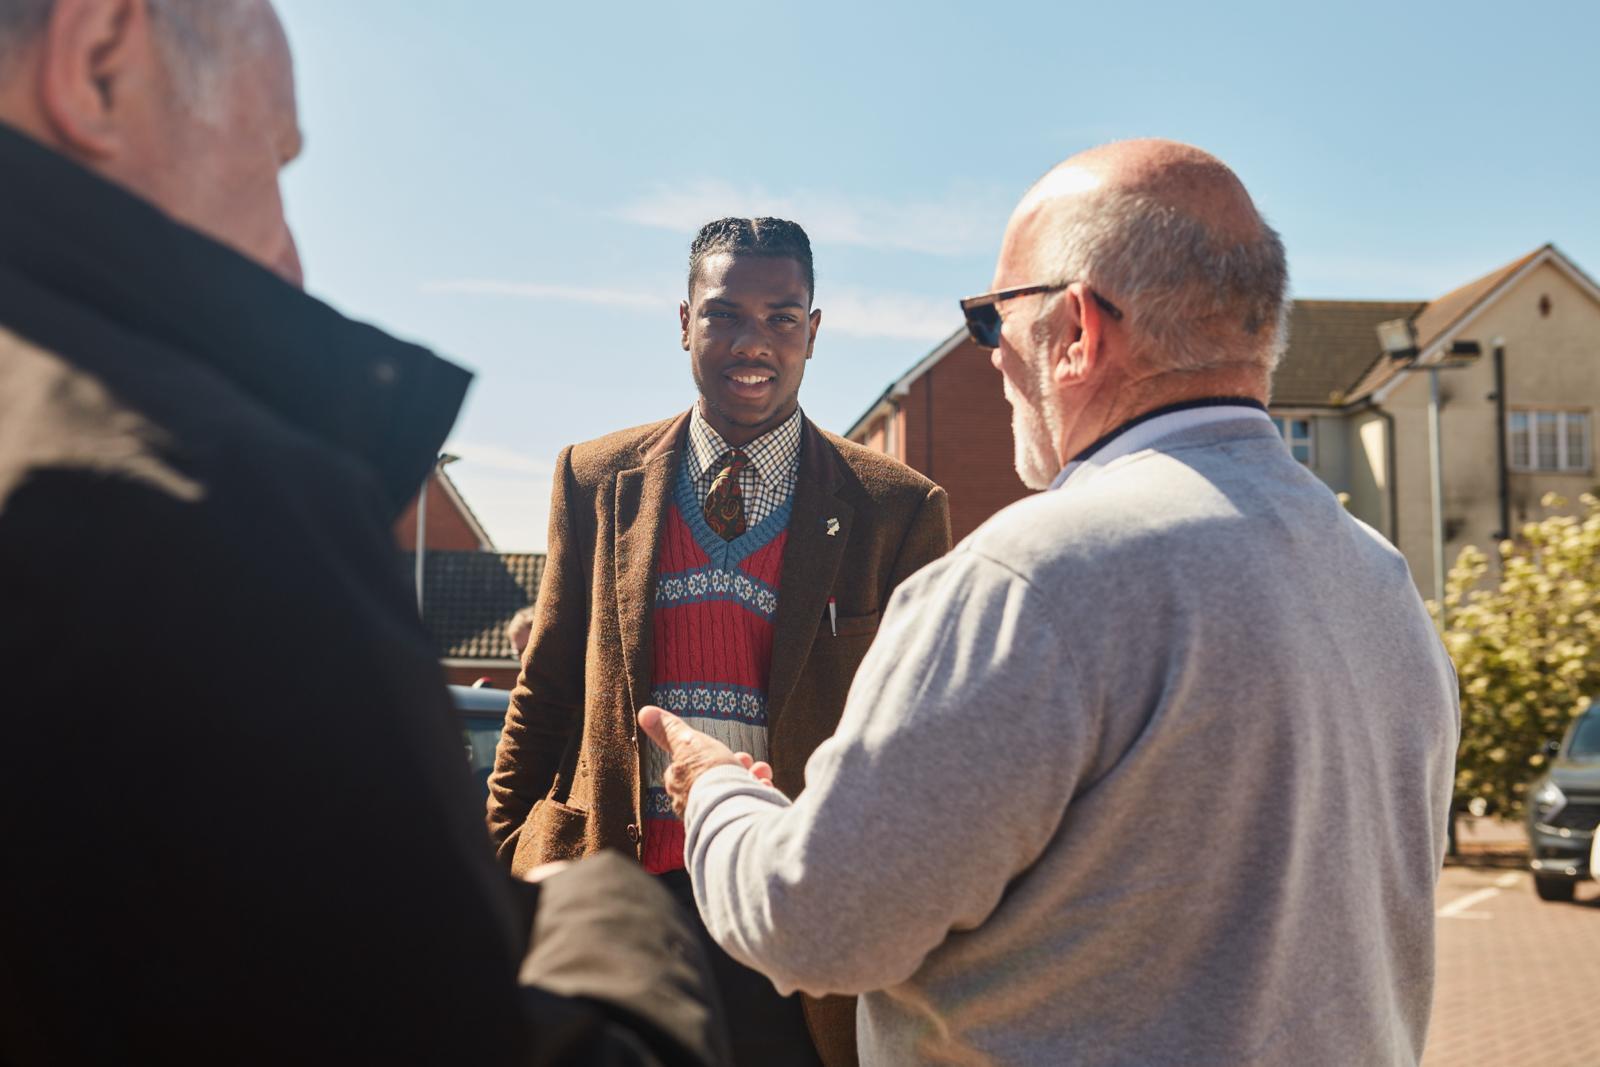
1181, 176
1168, 232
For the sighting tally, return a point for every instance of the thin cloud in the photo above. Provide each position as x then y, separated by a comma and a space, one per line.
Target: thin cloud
483, 456
852, 312
567, 293
889, 315
1373, 277
964, 221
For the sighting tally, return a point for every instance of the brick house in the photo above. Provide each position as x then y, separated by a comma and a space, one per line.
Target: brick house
1356, 417
1359, 419
452, 527
947, 418
470, 590
468, 597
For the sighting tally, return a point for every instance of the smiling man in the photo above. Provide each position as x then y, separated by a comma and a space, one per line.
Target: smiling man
729, 564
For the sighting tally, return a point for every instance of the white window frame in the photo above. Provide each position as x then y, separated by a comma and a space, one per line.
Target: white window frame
1285, 424
1564, 462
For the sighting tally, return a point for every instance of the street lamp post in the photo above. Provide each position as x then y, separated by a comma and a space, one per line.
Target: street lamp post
1399, 340
444, 460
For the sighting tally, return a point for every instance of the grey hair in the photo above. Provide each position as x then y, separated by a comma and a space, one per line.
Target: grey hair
1194, 298
21, 21
199, 39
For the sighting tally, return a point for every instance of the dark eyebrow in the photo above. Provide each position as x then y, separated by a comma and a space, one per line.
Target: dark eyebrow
777, 305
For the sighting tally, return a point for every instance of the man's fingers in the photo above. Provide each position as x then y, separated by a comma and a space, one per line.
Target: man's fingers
664, 728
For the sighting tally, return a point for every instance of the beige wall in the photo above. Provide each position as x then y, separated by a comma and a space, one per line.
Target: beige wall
1551, 360
1367, 464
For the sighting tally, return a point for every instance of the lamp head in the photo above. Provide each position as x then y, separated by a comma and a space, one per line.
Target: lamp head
1398, 338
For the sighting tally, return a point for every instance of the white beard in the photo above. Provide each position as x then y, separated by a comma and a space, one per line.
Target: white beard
1034, 424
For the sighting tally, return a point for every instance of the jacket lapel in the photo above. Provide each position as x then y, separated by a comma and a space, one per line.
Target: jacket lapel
638, 512
810, 562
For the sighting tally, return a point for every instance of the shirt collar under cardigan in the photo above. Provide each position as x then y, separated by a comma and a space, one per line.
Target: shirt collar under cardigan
1140, 433
774, 456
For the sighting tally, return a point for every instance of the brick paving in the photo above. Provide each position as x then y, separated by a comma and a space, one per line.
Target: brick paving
1518, 978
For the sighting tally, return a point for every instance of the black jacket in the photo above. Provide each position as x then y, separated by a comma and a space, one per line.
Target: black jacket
235, 818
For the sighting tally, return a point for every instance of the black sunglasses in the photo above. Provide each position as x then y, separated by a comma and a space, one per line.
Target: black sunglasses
983, 314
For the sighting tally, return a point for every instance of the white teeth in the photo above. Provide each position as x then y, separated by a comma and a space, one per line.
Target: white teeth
749, 379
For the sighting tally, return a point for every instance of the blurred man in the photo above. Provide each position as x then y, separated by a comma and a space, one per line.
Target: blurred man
1155, 767
243, 832
519, 629
730, 563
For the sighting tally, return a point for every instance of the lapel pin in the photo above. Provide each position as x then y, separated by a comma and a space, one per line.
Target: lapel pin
833, 527
833, 616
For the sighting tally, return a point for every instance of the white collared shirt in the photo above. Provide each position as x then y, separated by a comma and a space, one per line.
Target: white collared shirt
1142, 435
774, 464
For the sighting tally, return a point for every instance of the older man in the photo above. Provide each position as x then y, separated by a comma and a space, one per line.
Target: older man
1154, 767
236, 825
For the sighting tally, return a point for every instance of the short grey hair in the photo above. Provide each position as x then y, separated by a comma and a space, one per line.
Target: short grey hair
1194, 297
21, 21
198, 39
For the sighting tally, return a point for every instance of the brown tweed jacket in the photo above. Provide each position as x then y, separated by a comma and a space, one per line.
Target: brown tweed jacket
567, 776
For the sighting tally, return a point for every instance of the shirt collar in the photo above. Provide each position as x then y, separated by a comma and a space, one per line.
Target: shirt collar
772, 455
1140, 433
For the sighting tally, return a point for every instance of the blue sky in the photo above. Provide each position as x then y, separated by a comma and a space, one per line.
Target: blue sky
515, 184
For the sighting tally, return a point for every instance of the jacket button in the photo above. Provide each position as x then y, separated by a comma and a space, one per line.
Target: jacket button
633, 833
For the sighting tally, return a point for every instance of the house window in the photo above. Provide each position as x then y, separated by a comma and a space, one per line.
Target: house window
1297, 435
1549, 440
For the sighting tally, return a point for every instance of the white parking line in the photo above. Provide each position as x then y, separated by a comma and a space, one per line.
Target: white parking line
1456, 908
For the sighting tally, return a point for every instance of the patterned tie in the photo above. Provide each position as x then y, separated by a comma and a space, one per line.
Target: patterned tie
725, 501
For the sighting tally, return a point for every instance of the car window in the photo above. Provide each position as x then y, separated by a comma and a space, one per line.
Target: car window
1585, 739
480, 737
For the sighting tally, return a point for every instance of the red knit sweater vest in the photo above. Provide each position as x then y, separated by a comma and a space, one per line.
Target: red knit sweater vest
712, 622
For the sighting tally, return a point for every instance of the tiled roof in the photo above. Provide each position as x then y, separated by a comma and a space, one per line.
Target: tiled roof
470, 596
1438, 316
1332, 343
1334, 357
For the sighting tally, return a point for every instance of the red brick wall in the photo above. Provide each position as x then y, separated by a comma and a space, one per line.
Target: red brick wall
448, 529
958, 432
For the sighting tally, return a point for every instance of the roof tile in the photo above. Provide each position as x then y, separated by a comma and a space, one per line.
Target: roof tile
470, 596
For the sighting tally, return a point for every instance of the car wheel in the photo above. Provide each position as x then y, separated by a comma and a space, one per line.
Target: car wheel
1559, 890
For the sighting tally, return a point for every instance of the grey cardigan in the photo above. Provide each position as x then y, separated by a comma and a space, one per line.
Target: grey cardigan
1150, 770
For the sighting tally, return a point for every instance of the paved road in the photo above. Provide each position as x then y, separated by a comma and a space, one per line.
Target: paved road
1518, 978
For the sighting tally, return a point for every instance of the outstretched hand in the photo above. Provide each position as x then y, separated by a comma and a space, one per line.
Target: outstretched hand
693, 753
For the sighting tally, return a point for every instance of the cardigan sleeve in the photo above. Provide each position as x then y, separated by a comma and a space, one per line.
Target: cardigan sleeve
964, 737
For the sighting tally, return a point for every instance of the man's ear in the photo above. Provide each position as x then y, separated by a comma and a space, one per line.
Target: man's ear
92, 55
1080, 336
683, 323
816, 323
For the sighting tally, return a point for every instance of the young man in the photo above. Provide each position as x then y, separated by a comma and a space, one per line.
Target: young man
729, 563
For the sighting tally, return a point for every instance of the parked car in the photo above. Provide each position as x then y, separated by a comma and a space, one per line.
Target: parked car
1564, 810
483, 713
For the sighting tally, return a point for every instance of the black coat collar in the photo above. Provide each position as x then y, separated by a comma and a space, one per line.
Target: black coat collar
105, 250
